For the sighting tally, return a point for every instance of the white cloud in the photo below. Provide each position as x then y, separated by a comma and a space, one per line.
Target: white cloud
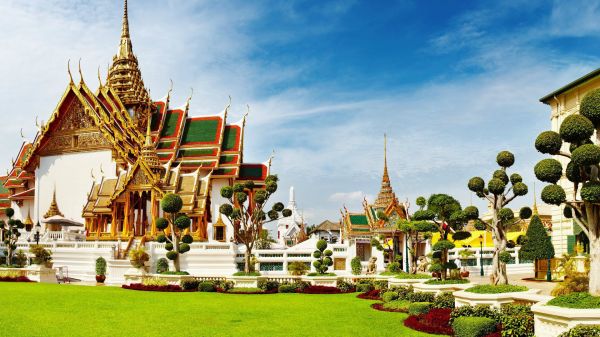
342, 197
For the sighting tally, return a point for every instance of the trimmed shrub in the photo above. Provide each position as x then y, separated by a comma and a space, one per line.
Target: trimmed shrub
266, 285
476, 184
576, 301
100, 266
590, 191
207, 286
297, 268
345, 287
553, 195
162, 265
517, 320
448, 281
480, 310
576, 128
590, 106
444, 300
548, 142
403, 292
585, 155
582, 331
190, 284
420, 297
418, 308
505, 159
356, 266
287, 288
223, 285
364, 287
389, 296
496, 186
548, 170
473, 326
394, 267
538, 244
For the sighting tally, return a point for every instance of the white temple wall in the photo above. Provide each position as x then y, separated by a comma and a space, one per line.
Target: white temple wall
71, 175
216, 201
21, 212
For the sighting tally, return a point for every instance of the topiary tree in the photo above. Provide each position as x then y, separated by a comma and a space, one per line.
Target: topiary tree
177, 241
246, 209
416, 232
498, 194
323, 257
10, 234
538, 244
356, 266
446, 214
576, 133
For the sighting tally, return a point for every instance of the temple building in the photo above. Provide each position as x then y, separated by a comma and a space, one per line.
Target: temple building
291, 230
104, 159
375, 219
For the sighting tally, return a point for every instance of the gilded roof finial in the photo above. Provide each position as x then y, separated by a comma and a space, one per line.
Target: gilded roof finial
170, 88
187, 102
53, 209
69, 71
385, 169
386, 195
80, 73
99, 79
148, 130
125, 47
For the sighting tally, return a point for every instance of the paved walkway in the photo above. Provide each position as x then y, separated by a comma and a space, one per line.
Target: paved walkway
518, 279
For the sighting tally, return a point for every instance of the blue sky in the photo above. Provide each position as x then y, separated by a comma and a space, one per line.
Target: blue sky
451, 83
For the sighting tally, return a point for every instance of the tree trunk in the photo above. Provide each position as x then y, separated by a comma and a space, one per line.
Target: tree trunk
498, 275
443, 260
594, 273
412, 251
247, 257
175, 241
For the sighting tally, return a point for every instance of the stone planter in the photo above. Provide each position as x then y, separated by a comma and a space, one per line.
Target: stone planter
551, 321
440, 288
462, 297
244, 281
118, 269
41, 273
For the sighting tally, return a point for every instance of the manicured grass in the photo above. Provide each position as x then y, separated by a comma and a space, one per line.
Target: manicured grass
576, 301
438, 282
397, 304
403, 275
496, 289
68, 310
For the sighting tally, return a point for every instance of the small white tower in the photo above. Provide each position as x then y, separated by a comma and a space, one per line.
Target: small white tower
288, 228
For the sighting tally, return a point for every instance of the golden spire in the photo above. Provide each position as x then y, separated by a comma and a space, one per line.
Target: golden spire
53, 209
148, 151
125, 77
28, 221
386, 196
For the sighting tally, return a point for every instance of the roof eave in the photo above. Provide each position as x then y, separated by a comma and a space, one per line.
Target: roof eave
585, 78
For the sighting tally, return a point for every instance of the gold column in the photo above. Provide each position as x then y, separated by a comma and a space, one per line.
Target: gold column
126, 217
113, 222
153, 212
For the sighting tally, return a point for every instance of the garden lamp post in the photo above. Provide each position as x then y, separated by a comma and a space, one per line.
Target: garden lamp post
481, 255
36, 236
406, 255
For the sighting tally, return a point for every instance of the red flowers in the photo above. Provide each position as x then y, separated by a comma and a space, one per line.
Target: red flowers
15, 279
371, 295
435, 321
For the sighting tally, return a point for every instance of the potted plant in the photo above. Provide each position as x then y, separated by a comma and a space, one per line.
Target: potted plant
100, 270
436, 270
138, 258
465, 255
42, 256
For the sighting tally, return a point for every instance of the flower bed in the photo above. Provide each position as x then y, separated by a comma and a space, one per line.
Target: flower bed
322, 290
371, 295
436, 321
163, 288
15, 279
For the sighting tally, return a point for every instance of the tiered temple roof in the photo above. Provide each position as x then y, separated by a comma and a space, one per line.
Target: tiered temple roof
156, 147
367, 222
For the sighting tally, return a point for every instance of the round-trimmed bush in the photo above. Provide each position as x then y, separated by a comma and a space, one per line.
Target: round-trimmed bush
187, 239
249, 184
182, 222
171, 203
501, 174
473, 326
461, 235
476, 184
471, 212
241, 197
568, 212
520, 189
169, 246
422, 202
515, 178
161, 223
548, 142
172, 255
321, 245
389, 296
9, 212
553, 195
525, 212
161, 238
271, 187
260, 196
227, 192
237, 188
226, 209
576, 128
418, 308
317, 254
548, 170
184, 248
286, 212
480, 225
573, 172
496, 186
278, 207
504, 256
207, 286
424, 214
506, 214
587, 154
443, 244
273, 215
590, 106
590, 191
505, 159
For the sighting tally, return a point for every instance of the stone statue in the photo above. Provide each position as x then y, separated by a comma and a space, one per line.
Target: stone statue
372, 266
423, 264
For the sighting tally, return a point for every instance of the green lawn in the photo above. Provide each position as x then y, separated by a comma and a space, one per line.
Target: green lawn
68, 310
